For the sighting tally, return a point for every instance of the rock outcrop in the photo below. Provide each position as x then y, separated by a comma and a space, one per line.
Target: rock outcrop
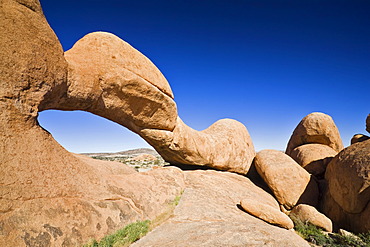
208, 215
359, 138
307, 213
316, 128
368, 123
108, 77
314, 158
288, 181
347, 199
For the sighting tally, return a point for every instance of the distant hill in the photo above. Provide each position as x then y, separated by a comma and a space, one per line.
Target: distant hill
134, 152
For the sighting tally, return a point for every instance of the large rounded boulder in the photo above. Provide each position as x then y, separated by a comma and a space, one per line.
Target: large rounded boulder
316, 128
288, 181
346, 200
348, 176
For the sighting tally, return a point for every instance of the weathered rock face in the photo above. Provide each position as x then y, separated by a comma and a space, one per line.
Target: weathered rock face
368, 123
31, 63
110, 78
346, 201
307, 213
316, 128
287, 180
208, 215
114, 196
348, 176
359, 138
314, 158
342, 220
225, 145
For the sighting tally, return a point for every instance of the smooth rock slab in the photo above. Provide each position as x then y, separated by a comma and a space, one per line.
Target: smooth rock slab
208, 215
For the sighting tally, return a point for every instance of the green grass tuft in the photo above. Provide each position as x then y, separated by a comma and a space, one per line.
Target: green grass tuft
133, 232
124, 236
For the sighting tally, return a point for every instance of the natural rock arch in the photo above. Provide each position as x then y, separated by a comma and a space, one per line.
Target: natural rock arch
108, 77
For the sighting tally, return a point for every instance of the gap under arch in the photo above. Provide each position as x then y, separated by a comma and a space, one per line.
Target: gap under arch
84, 132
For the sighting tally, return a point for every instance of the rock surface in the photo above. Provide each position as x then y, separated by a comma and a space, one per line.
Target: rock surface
346, 200
348, 176
287, 180
207, 215
225, 145
314, 158
357, 223
316, 128
31, 64
307, 213
265, 212
109, 197
368, 123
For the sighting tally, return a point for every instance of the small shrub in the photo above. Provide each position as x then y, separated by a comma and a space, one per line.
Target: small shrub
316, 236
177, 200
365, 237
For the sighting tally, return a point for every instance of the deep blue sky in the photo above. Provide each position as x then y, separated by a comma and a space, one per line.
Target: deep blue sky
266, 64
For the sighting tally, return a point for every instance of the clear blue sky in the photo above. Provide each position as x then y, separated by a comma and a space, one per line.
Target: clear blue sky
266, 64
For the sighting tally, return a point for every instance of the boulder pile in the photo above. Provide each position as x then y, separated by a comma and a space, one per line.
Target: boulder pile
50, 197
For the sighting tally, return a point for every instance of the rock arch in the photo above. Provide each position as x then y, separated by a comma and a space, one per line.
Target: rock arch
42, 184
108, 77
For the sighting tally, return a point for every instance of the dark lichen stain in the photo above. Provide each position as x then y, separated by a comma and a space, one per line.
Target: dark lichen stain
55, 231
43, 239
101, 204
1, 228
98, 226
110, 223
122, 217
76, 233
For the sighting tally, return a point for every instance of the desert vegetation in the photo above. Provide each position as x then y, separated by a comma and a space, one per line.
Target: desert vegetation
140, 159
134, 231
124, 236
317, 237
